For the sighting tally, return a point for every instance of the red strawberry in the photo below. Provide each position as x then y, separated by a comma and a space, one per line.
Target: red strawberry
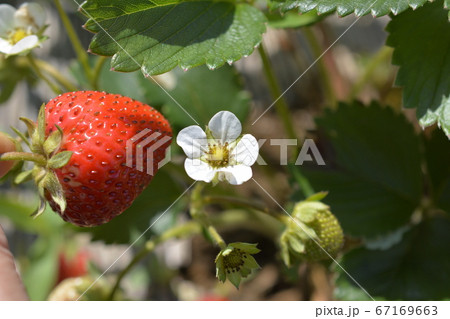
97, 183
80, 146
77, 266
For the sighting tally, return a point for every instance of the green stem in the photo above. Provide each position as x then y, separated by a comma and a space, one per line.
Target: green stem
53, 72
243, 202
76, 43
317, 50
97, 71
281, 105
23, 156
382, 55
197, 213
38, 72
305, 185
185, 230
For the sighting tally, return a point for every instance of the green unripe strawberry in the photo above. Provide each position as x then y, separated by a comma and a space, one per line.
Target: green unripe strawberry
312, 232
330, 237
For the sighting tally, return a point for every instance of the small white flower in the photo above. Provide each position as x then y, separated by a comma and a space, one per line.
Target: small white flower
20, 30
221, 153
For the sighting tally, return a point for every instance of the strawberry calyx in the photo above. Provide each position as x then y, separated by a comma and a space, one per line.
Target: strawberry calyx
45, 154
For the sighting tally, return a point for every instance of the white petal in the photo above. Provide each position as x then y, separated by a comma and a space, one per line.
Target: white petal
225, 126
5, 46
199, 170
30, 15
193, 141
25, 44
235, 175
6, 19
246, 151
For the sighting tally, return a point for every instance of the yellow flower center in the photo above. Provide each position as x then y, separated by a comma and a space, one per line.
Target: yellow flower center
17, 35
218, 155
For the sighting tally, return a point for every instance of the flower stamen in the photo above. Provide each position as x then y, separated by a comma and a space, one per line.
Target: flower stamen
218, 155
17, 35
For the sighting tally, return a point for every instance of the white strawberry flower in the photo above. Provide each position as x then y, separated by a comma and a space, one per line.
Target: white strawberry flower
220, 153
21, 29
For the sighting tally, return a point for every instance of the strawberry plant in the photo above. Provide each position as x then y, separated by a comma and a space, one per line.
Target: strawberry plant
212, 144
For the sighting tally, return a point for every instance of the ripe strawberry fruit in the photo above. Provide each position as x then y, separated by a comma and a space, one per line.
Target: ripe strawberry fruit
97, 183
70, 267
94, 153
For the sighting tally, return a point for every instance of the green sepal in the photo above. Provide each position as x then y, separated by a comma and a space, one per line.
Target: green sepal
284, 251
31, 125
21, 135
23, 177
250, 263
41, 207
316, 197
53, 142
38, 135
41, 124
246, 247
245, 272
306, 211
51, 184
296, 243
302, 230
59, 160
220, 272
235, 278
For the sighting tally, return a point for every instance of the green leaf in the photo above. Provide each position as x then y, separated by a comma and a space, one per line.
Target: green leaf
156, 36
19, 214
346, 7
375, 181
39, 276
293, 19
437, 152
153, 201
414, 269
422, 50
203, 93
345, 291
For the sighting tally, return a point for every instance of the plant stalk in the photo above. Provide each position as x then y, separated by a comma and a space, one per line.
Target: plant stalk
38, 72
53, 72
76, 43
23, 156
197, 213
317, 50
281, 105
185, 230
381, 56
97, 71
243, 202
